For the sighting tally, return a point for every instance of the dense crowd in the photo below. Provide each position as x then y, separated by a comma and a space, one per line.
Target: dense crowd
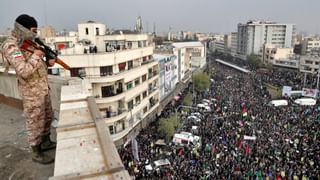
283, 143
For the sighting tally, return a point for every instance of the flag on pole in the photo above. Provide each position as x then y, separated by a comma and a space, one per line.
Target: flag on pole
248, 150
180, 152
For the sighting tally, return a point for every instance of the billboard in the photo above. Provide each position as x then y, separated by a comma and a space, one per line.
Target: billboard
286, 91
309, 92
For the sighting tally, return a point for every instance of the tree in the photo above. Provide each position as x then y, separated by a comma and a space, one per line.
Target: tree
201, 81
167, 126
254, 61
187, 101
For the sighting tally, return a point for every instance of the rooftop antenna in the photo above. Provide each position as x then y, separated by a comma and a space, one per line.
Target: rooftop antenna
138, 26
147, 24
154, 29
45, 12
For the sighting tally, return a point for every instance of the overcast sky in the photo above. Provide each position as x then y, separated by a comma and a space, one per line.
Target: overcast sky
219, 16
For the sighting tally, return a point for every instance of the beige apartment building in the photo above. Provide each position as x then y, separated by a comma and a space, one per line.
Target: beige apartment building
121, 74
282, 57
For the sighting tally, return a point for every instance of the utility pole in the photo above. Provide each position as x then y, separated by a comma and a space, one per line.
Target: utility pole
304, 80
318, 76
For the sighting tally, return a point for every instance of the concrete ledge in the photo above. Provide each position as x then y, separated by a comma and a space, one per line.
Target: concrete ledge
13, 102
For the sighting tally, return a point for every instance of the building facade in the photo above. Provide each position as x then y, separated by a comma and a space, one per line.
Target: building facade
254, 34
167, 74
190, 56
217, 46
282, 57
122, 74
310, 64
311, 46
234, 41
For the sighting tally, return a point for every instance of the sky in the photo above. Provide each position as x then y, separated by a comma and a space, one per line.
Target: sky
216, 16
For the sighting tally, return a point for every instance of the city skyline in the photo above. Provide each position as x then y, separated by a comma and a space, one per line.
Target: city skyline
201, 16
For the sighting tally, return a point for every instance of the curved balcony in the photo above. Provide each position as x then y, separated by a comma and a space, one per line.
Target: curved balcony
136, 71
110, 99
115, 118
154, 77
105, 58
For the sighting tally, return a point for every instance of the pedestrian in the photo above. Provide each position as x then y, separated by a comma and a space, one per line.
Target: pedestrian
32, 77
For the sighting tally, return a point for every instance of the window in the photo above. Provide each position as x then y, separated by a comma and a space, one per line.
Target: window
122, 66
106, 70
130, 65
144, 94
145, 110
129, 85
150, 73
138, 99
107, 91
144, 78
307, 68
77, 72
54, 71
150, 88
308, 62
123, 125
144, 58
130, 105
87, 31
129, 44
111, 130
137, 82
97, 31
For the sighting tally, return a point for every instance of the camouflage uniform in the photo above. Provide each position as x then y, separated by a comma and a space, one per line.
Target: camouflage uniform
33, 86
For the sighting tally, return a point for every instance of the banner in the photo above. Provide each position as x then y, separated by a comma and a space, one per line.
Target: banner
135, 151
309, 92
249, 137
286, 91
168, 77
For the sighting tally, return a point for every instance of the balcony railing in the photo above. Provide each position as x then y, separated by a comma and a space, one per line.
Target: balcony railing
155, 73
115, 75
111, 98
152, 74
153, 102
113, 94
152, 89
147, 61
114, 116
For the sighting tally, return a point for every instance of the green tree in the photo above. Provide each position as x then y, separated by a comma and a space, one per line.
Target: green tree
268, 66
201, 81
187, 101
254, 61
167, 126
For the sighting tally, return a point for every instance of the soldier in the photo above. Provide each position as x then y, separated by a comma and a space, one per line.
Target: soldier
32, 77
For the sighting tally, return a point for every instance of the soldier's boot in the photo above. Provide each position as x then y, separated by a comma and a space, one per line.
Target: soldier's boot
47, 144
39, 157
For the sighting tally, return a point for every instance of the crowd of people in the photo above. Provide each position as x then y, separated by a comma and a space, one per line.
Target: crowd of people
243, 137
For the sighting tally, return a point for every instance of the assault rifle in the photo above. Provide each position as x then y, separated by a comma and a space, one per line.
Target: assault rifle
49, 53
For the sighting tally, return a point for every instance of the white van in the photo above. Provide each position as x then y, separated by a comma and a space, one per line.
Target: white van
185, 138
280, 102
306, 101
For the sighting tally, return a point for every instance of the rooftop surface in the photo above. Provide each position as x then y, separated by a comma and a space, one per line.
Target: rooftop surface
15, 154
